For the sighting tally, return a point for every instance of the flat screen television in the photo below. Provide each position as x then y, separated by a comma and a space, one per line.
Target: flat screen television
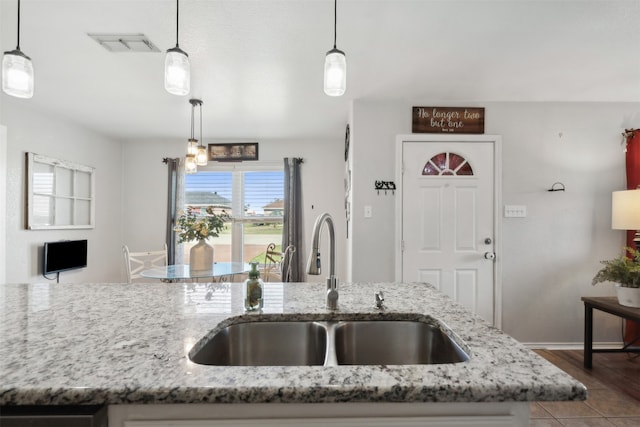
64, 255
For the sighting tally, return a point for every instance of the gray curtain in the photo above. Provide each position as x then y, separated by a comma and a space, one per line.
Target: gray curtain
175, 200
292, 232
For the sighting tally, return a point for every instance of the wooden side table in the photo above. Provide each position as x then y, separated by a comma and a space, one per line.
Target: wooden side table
608, 305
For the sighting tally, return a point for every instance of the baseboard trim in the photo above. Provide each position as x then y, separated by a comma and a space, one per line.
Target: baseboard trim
570, 345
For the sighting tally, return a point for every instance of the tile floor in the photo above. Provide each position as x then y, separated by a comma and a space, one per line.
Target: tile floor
607, 404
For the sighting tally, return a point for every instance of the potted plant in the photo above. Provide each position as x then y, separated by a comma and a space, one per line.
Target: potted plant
193, 225
625, 272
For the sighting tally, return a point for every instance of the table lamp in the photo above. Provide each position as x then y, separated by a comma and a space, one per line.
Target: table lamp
625, 212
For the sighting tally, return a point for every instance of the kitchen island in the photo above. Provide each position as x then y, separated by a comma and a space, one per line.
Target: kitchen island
127, 346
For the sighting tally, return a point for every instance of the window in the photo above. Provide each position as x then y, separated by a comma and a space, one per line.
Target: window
447, 164
60, 194
255, 201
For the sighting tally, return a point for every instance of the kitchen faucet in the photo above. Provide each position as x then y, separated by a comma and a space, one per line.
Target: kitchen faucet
313, 265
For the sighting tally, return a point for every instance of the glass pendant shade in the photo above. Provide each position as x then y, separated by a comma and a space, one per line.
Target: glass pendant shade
192, 147
191, 160
190, 165
201, 156
177, 72
17, 74
335, 73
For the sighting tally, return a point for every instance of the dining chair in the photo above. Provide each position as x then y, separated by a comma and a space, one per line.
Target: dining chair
136, 262
272, 262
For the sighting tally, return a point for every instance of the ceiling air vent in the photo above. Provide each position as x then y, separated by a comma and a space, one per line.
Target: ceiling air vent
125, 42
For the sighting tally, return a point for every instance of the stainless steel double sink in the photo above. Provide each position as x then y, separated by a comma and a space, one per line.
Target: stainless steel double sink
329, 343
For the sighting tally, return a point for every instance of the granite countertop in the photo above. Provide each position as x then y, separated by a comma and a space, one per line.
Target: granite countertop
124, 344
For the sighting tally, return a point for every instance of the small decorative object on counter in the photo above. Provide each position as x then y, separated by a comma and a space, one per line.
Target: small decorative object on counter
253, 290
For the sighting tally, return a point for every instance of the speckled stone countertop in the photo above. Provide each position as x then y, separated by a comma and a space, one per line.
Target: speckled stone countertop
123, 344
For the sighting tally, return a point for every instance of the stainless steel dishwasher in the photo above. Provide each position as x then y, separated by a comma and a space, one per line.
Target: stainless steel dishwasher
54, 416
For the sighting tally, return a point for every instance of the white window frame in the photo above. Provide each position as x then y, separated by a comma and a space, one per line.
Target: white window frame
82, 212
237, 183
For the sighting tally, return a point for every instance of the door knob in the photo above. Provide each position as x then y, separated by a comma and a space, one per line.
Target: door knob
490, 255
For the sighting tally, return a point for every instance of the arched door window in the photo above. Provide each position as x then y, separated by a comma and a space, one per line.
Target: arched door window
450, 164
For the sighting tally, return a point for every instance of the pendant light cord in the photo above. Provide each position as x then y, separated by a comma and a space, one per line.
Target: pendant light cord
192, 107
200, 106
177, 21
335, 22
18, 46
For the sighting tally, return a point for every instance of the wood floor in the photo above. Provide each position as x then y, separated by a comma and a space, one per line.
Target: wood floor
613, 391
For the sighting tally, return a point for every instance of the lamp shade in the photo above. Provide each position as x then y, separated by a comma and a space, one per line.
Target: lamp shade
17, 74
190, 165
192, 146
335, 73
177, 72
625, 210
201, 156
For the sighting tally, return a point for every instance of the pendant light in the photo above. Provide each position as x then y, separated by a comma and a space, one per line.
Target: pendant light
190, 162
335, 64
201, 155
17, 70
177, 70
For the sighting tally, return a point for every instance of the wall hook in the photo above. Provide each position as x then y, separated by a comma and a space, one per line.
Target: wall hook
557, 186
386, 186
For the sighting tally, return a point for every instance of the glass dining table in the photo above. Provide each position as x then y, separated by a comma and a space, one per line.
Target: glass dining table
181, 272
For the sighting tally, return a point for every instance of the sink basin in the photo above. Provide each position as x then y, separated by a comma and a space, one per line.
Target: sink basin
383, 342
265, 344
329, 343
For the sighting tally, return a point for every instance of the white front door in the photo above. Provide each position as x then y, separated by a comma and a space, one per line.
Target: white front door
448, 229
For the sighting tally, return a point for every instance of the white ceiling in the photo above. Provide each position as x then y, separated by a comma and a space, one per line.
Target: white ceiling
258, 64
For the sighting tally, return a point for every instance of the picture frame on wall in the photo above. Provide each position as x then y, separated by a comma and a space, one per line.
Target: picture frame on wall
60, 194
233, 152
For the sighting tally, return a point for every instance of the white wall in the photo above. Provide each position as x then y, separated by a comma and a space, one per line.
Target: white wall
3, 203
549, 257
131, 191
31, 131
145, 189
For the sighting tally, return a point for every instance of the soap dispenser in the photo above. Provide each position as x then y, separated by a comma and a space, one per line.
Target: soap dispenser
253, 290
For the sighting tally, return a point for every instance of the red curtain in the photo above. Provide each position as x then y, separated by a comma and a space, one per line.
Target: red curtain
632, 329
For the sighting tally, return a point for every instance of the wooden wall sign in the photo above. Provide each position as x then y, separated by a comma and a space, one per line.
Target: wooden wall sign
447, 120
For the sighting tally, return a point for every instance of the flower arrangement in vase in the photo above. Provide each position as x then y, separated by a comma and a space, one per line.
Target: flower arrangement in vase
196, 226
625, 272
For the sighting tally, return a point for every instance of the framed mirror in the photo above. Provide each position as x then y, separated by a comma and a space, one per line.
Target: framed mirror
60, 194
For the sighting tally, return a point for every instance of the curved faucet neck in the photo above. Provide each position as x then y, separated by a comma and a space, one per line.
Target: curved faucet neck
314, 267
320, 221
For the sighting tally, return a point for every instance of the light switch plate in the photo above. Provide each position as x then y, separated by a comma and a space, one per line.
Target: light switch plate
515, 211
368, 212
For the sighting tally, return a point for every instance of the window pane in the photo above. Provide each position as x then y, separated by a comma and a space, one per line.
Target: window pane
263, 197
259, 201
83, 184
83, 212
64, 182
43, 210
63, 212
257, 237
42, 178
264, 193
204, 189
209, 189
